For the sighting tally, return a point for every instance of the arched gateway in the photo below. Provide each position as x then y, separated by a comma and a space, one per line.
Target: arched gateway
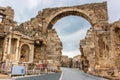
95, 13
94, 59
100, 49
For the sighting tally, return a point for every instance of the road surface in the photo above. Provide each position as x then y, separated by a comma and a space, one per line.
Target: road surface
54, 76
72, 74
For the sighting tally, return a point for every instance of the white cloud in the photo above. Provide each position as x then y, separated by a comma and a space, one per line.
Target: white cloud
1, 1
79, 34
71, 42
114, 10
33, 3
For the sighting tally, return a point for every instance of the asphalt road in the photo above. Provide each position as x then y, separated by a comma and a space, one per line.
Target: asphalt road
54, 76
72, 74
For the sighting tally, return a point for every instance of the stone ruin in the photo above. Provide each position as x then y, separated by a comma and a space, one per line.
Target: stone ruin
100, 51
26, 43
66, 61
35, 41
76, 62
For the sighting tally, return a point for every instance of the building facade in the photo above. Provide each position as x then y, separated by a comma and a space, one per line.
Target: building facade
25, 43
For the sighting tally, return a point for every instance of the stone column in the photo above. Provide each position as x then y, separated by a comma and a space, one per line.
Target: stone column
5, 49
9, 50
31, 53
17, 46
9, 46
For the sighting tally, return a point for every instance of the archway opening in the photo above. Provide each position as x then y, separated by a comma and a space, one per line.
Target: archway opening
71, 29
65, 13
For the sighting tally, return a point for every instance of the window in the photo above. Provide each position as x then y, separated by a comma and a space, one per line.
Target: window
1, 18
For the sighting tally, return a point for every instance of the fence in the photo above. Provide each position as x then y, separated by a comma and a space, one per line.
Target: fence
30, 69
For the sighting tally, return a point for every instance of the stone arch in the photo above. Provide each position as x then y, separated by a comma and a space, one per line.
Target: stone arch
65, 13
24, 53
94, 13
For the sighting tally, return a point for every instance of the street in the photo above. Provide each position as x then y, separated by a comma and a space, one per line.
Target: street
72, 74
50, 76
53, 76
67, 74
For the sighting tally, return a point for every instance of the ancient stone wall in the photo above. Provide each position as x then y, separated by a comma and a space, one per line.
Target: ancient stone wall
33, 27
100, 49
76, 62
54, 46
1, 48
88, 54
66, 61
7, 19
38, 54
115, 46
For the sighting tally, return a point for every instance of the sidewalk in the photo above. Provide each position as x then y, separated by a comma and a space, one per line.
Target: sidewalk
4, 77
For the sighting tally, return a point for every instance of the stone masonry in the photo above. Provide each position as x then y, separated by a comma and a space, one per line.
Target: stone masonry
106, 62
76, 62
35, 41
66, 61
26, 43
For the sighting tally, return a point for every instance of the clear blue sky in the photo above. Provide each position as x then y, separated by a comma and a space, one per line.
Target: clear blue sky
70, 29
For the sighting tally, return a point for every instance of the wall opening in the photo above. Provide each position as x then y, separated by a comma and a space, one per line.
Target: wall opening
24, 55
71, 29
1, 17
13, 48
